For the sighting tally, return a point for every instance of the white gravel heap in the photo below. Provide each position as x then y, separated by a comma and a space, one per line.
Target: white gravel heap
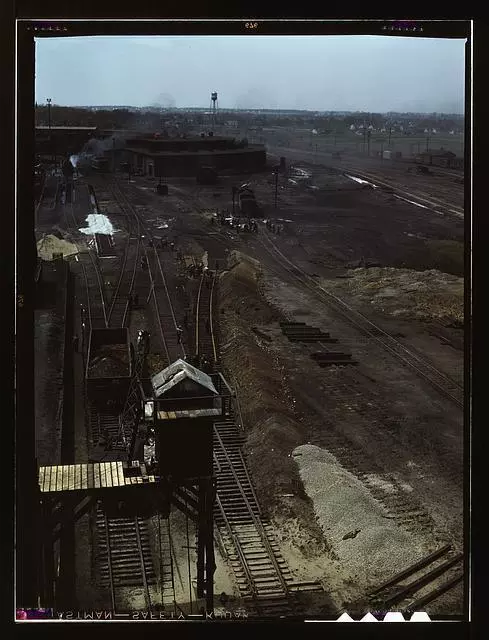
377, 548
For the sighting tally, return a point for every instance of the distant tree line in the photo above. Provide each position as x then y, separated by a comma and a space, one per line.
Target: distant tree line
150, 118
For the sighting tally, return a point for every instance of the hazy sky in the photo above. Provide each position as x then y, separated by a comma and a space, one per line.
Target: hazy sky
324, 73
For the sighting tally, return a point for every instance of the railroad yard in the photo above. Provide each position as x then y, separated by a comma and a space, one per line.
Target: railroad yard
336, 319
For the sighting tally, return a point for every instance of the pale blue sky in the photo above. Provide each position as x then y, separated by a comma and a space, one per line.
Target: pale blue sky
325, 73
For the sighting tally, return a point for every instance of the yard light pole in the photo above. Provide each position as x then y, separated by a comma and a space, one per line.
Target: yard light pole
276, 185
48, 100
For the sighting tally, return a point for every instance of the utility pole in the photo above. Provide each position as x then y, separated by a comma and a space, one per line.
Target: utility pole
390, 132
381, 150
276, 186
368, 142
48, 100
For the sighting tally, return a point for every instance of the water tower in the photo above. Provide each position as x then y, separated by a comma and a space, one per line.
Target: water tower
214, 107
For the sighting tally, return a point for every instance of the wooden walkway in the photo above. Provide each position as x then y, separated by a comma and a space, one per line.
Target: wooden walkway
99, 475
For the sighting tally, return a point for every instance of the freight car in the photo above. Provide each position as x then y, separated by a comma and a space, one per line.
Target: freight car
247, 204
109, 369
100, 163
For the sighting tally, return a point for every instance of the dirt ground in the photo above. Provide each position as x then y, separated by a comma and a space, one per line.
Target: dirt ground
301, 443
393, 444
336, 450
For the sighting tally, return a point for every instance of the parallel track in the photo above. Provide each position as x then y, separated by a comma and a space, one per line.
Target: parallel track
437, 573
205, 336
260, 570
445, 385
95, 292
165, 315
124, 558
118, 308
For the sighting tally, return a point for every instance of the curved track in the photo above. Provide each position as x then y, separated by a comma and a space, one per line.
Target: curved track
445, 385
165, 316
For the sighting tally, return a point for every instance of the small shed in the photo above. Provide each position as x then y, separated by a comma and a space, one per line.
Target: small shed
182, 385
186, 405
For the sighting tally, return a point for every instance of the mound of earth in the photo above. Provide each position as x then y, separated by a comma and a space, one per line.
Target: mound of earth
50, 244
424, 295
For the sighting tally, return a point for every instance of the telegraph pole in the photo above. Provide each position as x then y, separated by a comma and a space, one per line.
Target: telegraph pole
390, 132
48, 100
276, 186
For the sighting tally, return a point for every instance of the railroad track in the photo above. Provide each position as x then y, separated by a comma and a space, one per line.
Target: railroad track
107, 424
119, 303
205, 336
124, 558
92, 276
164, 312
351, 167
261, 572
442, 383
421, 583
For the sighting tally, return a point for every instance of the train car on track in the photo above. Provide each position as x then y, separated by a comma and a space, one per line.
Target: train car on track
247, 204
100, 164
104, 245
109, 369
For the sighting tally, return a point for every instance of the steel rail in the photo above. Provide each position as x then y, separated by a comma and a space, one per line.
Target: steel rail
109, 564
211, 319
147, 595
239, 550
367, 326
74, 227
256, 521
160, 268
197, 313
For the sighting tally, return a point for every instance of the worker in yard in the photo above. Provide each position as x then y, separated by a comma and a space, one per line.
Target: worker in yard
207, 325
179, 335
135, 299
185, 320
172, 246
144, 263
75, 343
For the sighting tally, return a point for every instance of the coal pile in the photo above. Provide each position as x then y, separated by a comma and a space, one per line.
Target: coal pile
110, 362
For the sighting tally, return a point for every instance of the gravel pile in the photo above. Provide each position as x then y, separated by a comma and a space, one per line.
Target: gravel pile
425, 295
368, 545
50, 244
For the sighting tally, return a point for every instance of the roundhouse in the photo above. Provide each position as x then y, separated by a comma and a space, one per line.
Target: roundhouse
161, 157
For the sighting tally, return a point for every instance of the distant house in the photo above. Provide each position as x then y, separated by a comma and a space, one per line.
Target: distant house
440, 158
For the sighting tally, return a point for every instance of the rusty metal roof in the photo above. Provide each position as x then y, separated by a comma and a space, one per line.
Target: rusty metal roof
175, 373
